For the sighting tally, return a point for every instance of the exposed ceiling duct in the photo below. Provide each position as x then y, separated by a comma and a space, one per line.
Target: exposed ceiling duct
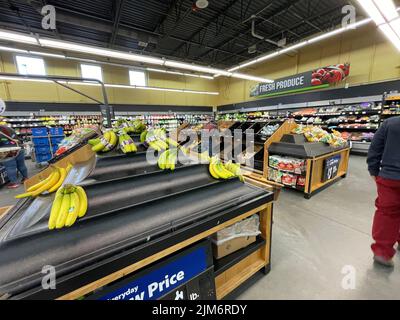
280, 43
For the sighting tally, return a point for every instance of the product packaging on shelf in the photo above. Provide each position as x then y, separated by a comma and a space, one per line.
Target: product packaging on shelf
235, 237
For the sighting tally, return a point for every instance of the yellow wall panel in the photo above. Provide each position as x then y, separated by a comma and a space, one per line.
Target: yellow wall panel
29, 91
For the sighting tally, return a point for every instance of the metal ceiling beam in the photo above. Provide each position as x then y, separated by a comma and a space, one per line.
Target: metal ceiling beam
274, 14
297, 24
118, 5
173, 6
207, 24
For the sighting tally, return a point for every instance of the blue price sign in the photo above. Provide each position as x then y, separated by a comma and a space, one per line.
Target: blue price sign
163, 279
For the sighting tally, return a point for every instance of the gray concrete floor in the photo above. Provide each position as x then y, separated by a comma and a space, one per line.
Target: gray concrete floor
313, 240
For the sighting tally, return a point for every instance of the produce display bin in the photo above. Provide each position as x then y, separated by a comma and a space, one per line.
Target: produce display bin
127, 229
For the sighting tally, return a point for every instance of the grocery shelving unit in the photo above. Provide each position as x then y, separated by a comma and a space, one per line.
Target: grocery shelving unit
169, 121
24, 124
356, 121
391, 105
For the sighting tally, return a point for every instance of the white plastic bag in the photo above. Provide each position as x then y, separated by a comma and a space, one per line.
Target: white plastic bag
249, 227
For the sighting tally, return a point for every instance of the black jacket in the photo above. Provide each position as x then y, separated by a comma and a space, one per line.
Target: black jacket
384, 153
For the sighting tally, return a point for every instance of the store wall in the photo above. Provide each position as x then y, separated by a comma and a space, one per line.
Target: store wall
31, 91
372, 59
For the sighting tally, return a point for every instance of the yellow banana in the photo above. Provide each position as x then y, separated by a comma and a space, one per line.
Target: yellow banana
113, 138
83, 202
69, 167
162, 160
103, 141
73, 210
223, 172
54, 179
63, 174
55, 209
64, 210
23, 195
212, 171
41, 183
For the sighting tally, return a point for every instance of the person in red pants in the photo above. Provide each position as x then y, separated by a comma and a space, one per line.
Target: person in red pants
384, 166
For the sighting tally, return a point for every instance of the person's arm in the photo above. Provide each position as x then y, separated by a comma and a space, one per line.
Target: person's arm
376, 151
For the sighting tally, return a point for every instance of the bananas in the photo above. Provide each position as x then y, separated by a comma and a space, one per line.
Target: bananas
126, 143
69, 204
143, 136
168, 159
107, 142
93, 142
156, 139
220, 171
51, 184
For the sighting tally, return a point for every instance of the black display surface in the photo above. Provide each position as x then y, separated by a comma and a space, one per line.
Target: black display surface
114, 238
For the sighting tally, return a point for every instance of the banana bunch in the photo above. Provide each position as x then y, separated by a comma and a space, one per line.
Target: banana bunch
143, 136
168, 159
156, 139
95, 141
220, 171
126, 143
51, 184
69, 204
107, 142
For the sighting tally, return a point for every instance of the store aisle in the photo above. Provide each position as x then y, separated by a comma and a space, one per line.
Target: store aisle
313, 240
7, 195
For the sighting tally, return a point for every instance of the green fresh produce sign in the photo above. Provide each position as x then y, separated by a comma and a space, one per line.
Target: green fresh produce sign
312, 80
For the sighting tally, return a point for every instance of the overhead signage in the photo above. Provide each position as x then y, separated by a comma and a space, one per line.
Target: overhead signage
312, 80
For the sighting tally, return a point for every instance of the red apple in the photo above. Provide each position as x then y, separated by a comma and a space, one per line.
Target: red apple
322, 72
316, 82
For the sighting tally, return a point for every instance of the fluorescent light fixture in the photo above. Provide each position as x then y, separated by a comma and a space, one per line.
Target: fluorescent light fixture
388, 9
395, 24
390, 34
45, 54
251, 78
17, 37
12, 49
268, 56
64, 45
294, 47
108, 53
188, 66
326, 35
23, 79
180, 73
372, 10
120, 86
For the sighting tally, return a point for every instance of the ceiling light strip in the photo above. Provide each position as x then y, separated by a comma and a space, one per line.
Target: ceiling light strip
109, 53
108, 85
